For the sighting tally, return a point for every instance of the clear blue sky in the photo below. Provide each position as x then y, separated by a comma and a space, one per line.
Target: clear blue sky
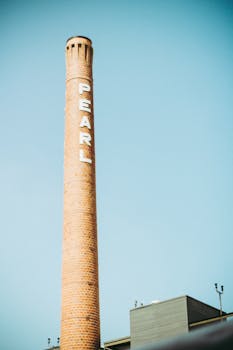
163, 75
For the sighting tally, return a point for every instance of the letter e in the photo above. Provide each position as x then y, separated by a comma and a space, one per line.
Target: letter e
84, 105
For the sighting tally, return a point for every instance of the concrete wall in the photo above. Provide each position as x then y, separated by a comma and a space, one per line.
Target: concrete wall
199, 311
158, 321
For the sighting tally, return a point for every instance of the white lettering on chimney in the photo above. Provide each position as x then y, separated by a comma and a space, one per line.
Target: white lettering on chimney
84, 137
84, 105
85, 122
84, 87
82, 158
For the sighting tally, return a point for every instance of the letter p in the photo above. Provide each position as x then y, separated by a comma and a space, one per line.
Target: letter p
84, 87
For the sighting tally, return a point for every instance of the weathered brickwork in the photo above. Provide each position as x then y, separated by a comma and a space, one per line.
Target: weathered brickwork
80, 326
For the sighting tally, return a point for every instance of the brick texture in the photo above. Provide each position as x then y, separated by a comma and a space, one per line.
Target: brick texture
80, 325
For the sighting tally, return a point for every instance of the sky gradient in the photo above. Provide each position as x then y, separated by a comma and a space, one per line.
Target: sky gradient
163, 94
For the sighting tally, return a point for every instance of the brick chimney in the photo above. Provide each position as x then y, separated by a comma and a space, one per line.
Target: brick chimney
80, 325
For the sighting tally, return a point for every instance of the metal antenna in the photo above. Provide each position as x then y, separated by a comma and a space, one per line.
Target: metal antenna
220, 292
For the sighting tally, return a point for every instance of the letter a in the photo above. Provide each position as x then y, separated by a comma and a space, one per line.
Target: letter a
85, 122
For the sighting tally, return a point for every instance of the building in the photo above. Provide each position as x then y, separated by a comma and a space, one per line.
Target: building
118, 344
159, 321
166, 319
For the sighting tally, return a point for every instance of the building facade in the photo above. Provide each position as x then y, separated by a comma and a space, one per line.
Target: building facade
166, 319
158, 321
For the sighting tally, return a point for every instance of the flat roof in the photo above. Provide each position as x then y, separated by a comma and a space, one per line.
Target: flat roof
167, 300
117, 341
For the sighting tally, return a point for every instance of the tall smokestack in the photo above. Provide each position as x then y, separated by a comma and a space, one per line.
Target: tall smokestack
80, 325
